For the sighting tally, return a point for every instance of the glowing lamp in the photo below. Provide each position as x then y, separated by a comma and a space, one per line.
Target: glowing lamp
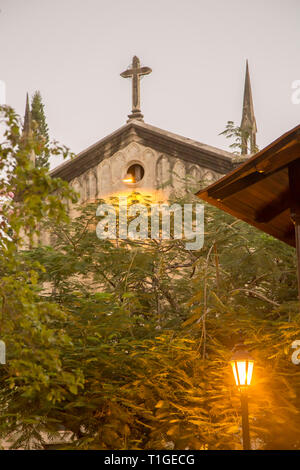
129, 179
242, 366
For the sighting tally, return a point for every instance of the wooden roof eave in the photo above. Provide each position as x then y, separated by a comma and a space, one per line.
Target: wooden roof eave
258, 190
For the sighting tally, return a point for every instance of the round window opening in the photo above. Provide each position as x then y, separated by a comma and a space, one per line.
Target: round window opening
135, 173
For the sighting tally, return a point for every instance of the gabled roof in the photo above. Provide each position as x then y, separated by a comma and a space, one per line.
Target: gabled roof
259, 191
149, 136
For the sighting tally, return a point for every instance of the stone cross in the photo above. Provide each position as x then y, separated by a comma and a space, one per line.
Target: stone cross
136, 72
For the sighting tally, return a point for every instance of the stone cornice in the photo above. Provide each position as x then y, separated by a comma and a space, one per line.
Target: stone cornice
162, 141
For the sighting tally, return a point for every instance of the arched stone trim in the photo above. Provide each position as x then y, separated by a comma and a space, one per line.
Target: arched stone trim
179, 175
117, 163
163, 174
105, 178
87, 187
76, 185
209, 176
148, 155
195, 174
133, 151
93, 184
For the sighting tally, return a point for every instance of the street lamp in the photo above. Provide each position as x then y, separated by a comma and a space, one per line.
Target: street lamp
242, 367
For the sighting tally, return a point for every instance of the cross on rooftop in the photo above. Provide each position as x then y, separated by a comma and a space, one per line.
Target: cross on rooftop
136, 72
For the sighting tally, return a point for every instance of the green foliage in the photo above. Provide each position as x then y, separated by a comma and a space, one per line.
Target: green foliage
126, 343
153, 326
237, 134
40, 130
27, 322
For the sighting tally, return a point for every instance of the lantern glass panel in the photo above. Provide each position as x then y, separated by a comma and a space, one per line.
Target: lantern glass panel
242, 371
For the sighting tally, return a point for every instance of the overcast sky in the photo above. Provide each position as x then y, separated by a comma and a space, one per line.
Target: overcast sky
73, 51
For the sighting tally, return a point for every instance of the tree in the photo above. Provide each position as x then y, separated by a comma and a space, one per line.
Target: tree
238, 135
126, 343
153, 326
28, 323
40, 129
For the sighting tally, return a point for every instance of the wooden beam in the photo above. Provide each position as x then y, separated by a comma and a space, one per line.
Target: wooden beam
289, 234
294, 180
279, 159
263, 170
239, 185
247, 167
272, 210
297, 235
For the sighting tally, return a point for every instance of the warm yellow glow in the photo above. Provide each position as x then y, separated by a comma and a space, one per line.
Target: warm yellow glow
242, 371
143, 195
128, 180
234, 373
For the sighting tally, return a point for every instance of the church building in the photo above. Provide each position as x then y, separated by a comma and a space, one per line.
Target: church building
149, 160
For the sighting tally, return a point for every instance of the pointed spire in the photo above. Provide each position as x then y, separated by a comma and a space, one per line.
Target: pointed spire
248, 123
27, 128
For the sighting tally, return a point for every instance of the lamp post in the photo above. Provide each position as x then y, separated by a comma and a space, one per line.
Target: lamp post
242, 367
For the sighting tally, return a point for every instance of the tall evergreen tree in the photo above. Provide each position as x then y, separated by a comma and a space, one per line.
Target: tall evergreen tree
40, 129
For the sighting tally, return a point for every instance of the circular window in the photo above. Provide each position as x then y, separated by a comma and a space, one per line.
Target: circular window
135, 173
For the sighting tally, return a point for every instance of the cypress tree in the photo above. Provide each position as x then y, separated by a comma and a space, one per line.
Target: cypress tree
40, 129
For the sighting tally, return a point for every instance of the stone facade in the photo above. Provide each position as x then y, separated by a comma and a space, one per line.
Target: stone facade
169, 164
163, 174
